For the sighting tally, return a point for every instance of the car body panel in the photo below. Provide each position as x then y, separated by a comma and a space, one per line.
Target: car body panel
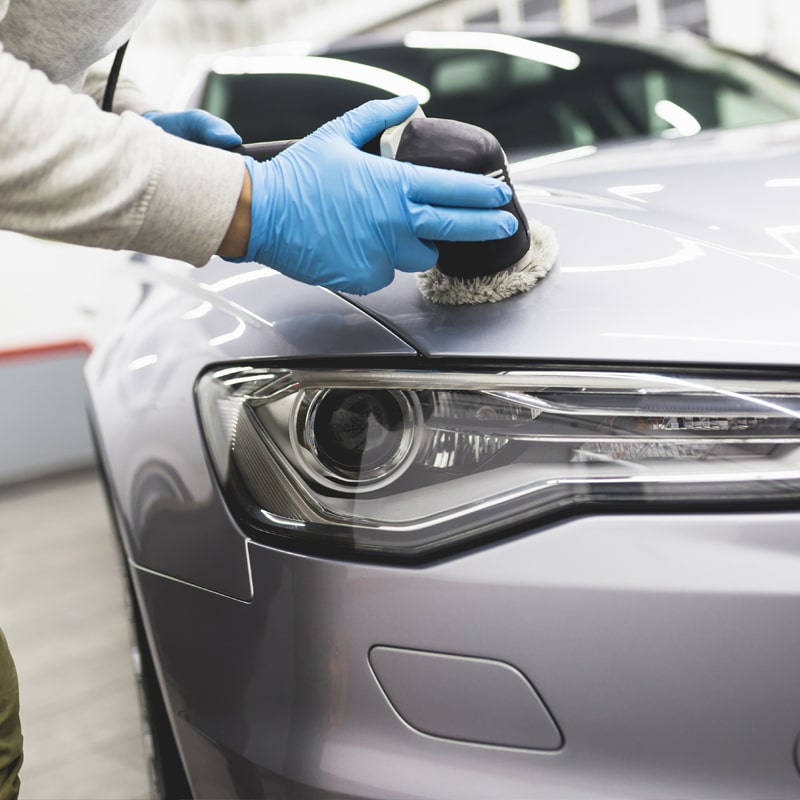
656, 642
666, 254
163, 487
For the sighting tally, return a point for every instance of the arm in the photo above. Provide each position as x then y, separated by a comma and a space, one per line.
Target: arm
206, 129
72, 173
234, 245
323, 212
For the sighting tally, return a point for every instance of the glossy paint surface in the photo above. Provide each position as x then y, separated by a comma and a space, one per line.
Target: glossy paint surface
141, 386
664, 647
683, 251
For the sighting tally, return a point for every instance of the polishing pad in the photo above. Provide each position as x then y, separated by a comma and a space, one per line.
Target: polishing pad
452, 290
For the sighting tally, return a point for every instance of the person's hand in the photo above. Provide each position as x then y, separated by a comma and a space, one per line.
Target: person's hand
196, 126
326, 213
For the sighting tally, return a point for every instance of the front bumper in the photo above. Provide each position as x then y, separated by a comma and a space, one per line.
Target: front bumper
662, 648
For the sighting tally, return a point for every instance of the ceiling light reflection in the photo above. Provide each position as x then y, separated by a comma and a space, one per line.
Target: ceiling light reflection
239, 279
633, 192
687, 251
683, 123
498, 42
714, 339
236, 333
554, 158
198, 311
782, 183
142, 362
326, 67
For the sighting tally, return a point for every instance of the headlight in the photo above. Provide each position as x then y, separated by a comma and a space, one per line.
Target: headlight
401, 463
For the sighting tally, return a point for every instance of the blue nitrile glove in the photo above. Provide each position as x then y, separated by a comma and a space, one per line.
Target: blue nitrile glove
326, 213
196, 126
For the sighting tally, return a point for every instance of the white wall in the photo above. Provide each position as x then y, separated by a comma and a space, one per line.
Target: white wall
43, 424
758, 26
176, 31
52, 294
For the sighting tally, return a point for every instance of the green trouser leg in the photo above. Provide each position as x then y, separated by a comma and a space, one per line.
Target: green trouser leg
10, 729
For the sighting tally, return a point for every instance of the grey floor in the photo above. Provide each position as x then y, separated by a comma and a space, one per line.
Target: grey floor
62, 610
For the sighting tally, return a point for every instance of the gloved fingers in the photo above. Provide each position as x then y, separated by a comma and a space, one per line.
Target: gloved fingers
371, 119
196, 125
205, 128
364, 281
449, 187
220, 133
418, 256
367, 285
462, 224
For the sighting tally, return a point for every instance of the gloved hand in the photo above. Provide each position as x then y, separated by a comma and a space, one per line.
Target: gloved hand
326, 213
196, 126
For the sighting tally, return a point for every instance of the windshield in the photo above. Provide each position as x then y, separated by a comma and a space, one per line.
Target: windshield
599, 91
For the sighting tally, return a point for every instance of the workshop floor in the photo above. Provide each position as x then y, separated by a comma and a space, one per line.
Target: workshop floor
62, 610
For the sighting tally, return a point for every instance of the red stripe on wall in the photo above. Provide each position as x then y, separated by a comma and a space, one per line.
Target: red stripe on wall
74, 347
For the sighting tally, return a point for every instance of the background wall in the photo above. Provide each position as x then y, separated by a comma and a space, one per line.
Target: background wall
177, 30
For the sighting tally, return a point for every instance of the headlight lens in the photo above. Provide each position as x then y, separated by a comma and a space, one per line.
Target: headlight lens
355, 438
400, 463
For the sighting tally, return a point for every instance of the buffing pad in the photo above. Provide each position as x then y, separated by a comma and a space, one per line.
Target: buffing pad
452, 290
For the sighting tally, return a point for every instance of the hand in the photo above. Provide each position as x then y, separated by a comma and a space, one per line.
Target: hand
196, 126
326, 213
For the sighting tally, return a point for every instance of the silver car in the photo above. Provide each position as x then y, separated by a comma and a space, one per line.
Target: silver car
546, 547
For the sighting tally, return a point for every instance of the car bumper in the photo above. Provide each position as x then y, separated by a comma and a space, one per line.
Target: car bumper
649, 655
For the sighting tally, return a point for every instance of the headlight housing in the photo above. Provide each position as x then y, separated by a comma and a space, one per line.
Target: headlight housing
405, 463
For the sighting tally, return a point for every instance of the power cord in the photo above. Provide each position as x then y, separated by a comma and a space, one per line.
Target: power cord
113, 76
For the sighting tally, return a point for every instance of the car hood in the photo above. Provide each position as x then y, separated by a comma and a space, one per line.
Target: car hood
681, 251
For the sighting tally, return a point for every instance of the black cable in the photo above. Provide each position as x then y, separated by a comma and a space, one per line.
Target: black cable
111, 83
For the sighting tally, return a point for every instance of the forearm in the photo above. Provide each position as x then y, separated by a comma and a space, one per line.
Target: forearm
234, 245
72, 173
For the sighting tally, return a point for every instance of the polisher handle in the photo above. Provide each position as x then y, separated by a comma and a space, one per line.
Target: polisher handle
451, 144
264, 151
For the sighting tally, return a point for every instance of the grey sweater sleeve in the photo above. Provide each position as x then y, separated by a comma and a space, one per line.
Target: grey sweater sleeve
127, 97
72, 173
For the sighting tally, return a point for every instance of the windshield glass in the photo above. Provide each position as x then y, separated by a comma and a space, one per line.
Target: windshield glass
580, 92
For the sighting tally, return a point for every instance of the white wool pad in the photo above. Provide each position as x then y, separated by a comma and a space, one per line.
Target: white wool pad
519, 277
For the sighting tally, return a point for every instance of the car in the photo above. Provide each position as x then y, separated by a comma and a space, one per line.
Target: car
537, 89
379, 547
